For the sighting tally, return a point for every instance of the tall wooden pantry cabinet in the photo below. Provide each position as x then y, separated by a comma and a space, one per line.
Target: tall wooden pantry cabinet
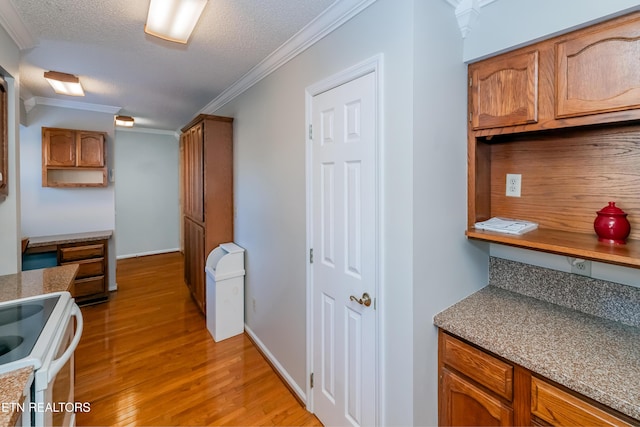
207, 202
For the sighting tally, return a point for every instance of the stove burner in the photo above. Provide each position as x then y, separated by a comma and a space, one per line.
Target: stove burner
19, 312
9, 343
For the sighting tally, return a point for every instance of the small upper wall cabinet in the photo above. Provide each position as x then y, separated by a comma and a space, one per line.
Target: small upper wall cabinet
73, 158
564, 114
504, 91
599, 71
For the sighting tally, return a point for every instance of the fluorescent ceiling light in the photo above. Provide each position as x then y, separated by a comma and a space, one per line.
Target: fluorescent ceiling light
65, 84
125, 121
173, 20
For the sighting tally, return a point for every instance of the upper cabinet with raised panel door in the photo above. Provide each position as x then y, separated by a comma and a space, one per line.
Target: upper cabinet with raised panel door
589, 76
563, 113
599, 71
504, 91
73, 158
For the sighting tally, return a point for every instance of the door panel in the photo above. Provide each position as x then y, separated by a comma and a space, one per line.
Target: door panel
345, 238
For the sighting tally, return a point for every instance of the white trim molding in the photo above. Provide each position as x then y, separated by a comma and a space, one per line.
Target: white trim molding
467, 13
332, 18
30, 103
14, 26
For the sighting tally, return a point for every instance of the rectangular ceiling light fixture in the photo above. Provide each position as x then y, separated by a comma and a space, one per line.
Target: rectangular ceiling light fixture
173, 20
63, 83
125, 121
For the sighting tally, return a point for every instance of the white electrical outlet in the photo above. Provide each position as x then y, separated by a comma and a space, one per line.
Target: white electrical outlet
253, 303
580, 266
514, 183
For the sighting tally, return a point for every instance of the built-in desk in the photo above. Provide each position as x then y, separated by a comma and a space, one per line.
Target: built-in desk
89, 250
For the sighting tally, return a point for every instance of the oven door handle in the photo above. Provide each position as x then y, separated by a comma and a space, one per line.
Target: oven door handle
57, 364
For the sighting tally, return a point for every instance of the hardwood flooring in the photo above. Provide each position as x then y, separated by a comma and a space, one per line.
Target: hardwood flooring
146, 359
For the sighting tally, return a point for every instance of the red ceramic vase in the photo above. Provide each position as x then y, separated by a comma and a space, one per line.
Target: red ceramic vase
611, 225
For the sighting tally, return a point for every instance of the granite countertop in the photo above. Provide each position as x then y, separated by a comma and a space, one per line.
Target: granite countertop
594, 356
22, 285
35, 242
13, 386
37, 282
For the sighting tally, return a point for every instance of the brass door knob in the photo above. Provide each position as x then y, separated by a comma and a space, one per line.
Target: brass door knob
365, 300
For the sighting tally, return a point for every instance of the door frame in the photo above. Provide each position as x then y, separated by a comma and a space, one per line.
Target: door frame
372, 65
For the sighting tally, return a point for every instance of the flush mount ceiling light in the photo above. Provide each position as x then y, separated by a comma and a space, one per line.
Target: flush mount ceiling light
125, 121
63, 83
173, 20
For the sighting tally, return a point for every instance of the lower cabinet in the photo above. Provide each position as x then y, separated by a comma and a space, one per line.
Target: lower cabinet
91, 284
479, 389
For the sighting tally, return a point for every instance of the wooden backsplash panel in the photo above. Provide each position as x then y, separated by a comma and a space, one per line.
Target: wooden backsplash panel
574, 172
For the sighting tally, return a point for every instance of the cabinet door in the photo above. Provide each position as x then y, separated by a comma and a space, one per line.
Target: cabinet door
504, 91
465, 404
598, 72
194, 261
59, 147
194, 169
90, 149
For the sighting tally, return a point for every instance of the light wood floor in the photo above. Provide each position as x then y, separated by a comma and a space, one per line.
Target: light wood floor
147, 359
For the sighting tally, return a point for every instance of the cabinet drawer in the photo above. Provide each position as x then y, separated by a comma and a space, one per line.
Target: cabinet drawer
74, 253
560, 408
90, 286
89, 268
487, 370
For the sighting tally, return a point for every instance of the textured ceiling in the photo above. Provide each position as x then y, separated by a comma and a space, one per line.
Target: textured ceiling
162, 84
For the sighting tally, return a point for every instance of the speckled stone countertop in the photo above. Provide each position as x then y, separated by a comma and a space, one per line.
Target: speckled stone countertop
37, 282
35, 242
13, 386
594, 356
22, 285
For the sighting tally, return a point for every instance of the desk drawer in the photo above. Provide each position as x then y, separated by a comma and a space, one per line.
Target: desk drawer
89, 267
90, 286
74, 253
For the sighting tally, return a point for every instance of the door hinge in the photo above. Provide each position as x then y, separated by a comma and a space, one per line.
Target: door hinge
311, 256
310, 131
470, 81
311, 380
470, 117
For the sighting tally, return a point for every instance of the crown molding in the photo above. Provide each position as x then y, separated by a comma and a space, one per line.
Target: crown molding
13, 24
332, 18
153, 131
467, 13
30, 103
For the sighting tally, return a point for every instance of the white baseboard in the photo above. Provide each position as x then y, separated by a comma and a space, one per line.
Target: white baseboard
161, 251
283, 372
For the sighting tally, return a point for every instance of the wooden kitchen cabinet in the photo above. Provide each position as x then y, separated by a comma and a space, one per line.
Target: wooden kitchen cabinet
476, 389
504, 91
579, 154
597, 70
207, 180
73, 158
479, 389
91, 283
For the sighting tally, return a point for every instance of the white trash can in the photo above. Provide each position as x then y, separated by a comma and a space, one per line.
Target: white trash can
225, 291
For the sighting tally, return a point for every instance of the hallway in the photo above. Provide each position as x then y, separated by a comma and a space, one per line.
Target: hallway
147, 359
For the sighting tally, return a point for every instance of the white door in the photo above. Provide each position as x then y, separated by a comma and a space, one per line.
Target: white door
344, 212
